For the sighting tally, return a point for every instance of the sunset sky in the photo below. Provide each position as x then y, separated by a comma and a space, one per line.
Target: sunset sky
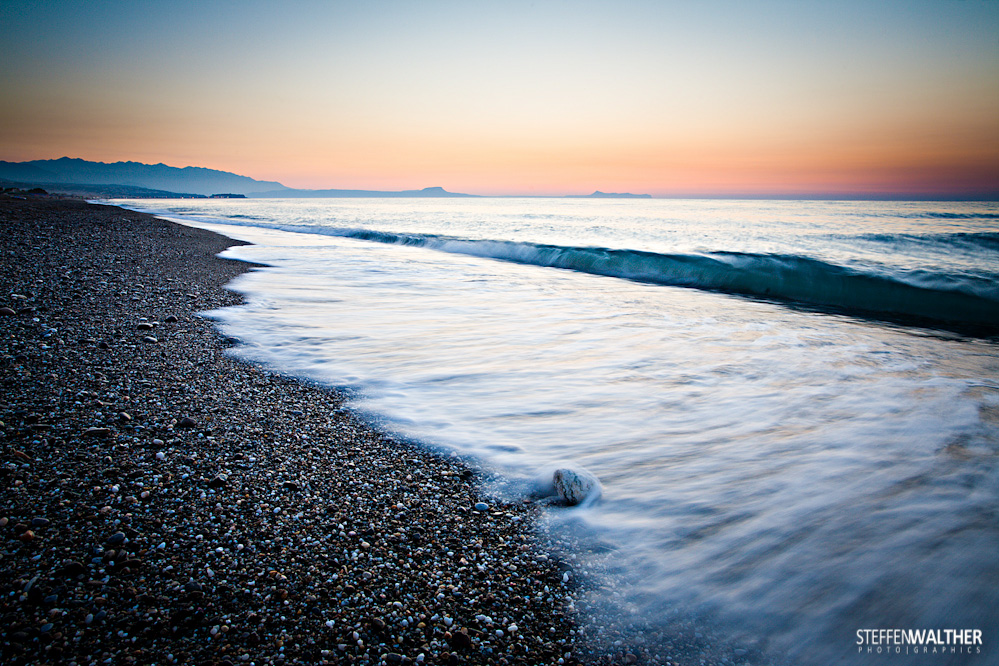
668, 98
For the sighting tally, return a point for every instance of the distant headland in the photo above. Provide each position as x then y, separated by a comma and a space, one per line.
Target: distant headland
609, 195
126, 180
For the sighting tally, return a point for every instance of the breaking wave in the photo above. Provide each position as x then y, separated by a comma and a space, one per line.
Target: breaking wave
938, 297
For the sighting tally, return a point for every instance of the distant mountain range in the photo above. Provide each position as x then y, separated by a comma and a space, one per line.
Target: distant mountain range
134, 179
189, 180
137, 180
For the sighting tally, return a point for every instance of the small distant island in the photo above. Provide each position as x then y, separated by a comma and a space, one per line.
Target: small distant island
609, 195
427, 192
227, 196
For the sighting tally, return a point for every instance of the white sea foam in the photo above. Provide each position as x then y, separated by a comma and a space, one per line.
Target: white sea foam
790, 476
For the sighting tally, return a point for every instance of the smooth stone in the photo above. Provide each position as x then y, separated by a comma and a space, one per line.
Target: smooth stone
40, 522
7, 312
145, 326
73, 569
219, 481
187, 422
481, 506
575, 486
100, 433
130, 564
171, 319
461, 641
116, 538
149, 339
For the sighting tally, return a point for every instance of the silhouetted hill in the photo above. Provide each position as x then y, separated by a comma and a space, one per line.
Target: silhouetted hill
196, 180
101, 191
609, 195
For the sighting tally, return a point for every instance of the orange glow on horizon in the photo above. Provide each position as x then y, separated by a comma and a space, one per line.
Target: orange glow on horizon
638, 97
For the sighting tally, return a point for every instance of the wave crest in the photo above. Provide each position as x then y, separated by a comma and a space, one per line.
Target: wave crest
936, 297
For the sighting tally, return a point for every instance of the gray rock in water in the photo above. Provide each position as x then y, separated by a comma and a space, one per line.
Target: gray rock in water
575, 486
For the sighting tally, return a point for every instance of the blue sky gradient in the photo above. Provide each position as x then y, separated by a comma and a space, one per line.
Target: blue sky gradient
516, 97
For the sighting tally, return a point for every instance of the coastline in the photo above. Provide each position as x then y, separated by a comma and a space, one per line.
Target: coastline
166, 503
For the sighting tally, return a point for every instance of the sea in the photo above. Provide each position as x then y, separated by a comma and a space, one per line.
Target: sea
792, 407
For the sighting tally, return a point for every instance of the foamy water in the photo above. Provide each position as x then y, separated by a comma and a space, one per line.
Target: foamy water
793, 407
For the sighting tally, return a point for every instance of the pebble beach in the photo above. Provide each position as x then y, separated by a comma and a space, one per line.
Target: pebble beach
164, 503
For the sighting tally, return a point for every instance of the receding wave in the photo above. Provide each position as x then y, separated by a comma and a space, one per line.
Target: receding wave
938, 215
942, 298
983, 240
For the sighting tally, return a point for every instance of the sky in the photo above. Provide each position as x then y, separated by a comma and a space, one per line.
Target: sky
686, 98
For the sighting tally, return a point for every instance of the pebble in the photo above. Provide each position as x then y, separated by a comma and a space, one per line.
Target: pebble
187, 422
575, 486
116, 538
73, 569
461, 641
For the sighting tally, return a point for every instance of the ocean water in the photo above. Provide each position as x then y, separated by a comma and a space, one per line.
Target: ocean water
792, 407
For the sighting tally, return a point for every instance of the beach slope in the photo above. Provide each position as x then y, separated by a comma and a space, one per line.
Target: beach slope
164, 503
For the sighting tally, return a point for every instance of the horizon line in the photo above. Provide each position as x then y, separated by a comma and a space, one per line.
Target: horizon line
987, 196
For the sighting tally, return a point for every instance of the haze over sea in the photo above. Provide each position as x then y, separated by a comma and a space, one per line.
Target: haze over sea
792, 407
